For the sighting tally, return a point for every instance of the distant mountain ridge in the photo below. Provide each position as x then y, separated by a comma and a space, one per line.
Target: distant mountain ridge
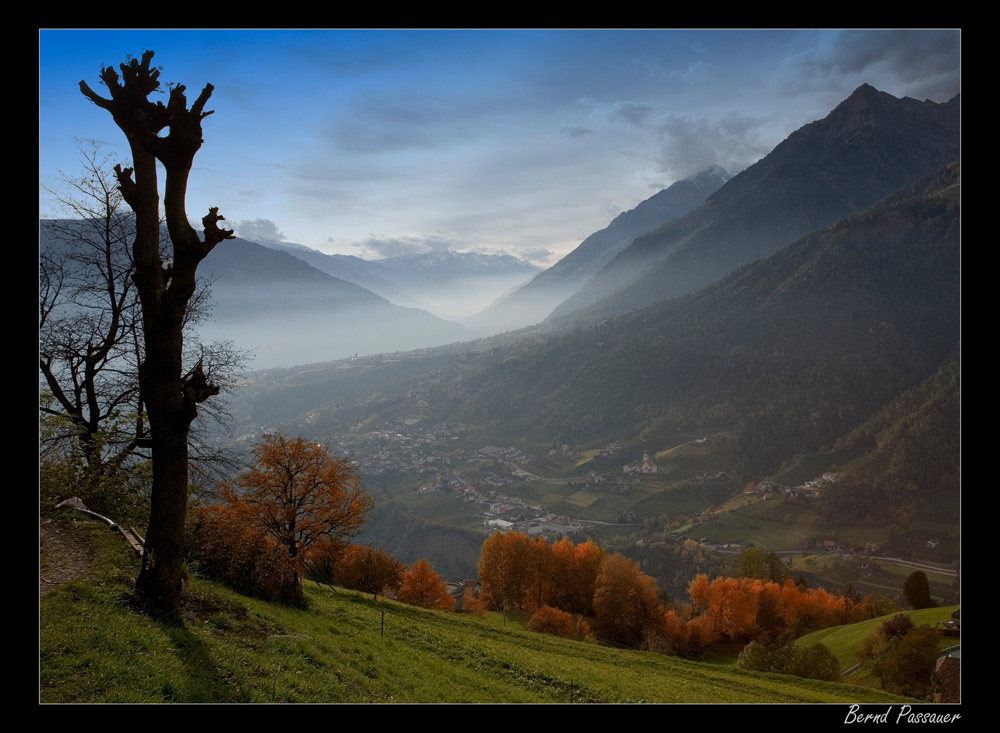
431, 281
536, 299
289, 312
870, 145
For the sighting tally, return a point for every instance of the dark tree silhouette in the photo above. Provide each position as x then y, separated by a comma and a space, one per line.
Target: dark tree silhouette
90, 332
88, 320
165, 288
917, 591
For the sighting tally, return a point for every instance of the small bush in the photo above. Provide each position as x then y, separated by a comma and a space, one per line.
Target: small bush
897, 627
815, 662
765, 656
230, 552
359, 567
423, 587
548, 620
471, 604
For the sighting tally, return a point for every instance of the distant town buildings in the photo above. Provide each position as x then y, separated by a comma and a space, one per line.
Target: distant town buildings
647, 466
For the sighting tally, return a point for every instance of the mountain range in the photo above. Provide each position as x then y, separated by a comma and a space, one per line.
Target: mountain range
288, 312
291, 304
535, 300
449, 284
867, 147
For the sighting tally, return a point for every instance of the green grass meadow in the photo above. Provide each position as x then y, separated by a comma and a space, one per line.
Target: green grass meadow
349, 648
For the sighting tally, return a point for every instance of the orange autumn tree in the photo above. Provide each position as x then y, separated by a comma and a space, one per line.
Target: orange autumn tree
223, 547
424, 588
744, 609
627, 601
298, 496
505, 570
574, 574
540, 561
360, 567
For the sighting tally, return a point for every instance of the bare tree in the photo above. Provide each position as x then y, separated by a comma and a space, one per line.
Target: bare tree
88, 324
170, 394
90, 332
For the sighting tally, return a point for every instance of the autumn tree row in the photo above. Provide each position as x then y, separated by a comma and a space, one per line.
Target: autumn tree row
746, 609
517, 571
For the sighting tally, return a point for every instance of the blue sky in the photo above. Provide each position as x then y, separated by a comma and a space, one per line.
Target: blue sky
376, 142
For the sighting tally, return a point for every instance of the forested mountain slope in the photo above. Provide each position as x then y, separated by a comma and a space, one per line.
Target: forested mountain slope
795, 350
867, 147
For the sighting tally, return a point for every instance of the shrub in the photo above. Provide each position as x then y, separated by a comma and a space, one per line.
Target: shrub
766, 656
897, 627
548, 620
359, 567
423, 587
472, 604
816, 662
233, 553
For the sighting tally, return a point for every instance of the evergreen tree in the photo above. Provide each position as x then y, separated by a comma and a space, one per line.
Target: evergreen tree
916, 590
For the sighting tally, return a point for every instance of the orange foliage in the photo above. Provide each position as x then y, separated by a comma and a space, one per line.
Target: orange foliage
298, 495
750, 608
626, 600
295, 499
366, 568
423, 587
528, 573
700, 634
223, 547
698, 592
539, 558
548, 620
732, 607
676, 629
472, 604
574, 574
505, 570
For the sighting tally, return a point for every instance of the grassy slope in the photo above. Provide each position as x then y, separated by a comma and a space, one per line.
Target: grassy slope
845, 641
94, 648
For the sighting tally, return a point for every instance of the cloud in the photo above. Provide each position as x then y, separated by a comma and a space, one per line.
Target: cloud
925, 64
538, 255
382, 247
611, 209
632, 112
259, 230
689, 146
698, 72
576, 131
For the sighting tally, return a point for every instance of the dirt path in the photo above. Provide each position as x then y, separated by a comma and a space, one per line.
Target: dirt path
65, 554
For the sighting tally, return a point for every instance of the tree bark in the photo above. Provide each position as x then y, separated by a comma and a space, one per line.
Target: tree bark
170, 398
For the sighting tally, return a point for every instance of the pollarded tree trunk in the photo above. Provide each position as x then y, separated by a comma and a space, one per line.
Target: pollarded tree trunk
165, 289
